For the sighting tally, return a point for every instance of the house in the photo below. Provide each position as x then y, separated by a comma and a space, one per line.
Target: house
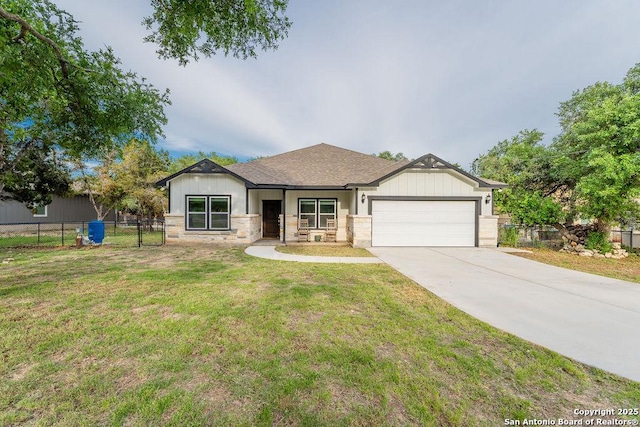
375, 202
62, 209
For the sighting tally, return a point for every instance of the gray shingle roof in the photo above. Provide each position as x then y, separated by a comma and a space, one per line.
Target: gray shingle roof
320, 165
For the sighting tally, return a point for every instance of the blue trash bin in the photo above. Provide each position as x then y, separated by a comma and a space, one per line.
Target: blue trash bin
96, 231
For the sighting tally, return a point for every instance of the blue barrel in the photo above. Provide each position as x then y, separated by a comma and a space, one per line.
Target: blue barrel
96, 231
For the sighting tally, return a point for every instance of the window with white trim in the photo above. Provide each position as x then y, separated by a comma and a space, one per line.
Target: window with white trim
208, 212
317, 211
40, 211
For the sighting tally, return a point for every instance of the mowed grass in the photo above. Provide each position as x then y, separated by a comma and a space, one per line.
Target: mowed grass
204, 336
324, 250
624, 269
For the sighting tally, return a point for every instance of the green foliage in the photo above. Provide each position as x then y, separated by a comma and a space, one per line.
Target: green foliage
599, 241
591, 169
532, 208
601, 140
57, 97
135, 177
388, 155
509, 236
179, 163
523, 163
185, 29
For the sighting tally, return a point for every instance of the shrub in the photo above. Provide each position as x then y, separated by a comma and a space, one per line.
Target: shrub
598, 241
509, 236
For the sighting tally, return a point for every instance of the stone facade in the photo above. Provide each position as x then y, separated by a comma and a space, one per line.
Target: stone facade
488, 231
245, 229
359, 231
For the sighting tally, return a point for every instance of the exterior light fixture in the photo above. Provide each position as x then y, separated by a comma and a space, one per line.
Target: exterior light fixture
487, 199
363, 197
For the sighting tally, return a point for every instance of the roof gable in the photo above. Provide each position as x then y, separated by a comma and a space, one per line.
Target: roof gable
205, 166
431, 161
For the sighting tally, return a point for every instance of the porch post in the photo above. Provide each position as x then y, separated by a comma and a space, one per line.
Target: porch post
284, 215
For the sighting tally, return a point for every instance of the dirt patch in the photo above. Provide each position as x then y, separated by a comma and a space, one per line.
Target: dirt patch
21, 371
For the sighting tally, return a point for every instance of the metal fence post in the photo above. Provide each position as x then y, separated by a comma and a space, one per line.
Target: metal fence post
139, 235
38, 233
631, 239
62, 228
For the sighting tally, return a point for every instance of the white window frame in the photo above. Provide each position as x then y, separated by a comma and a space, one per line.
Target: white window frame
208, 212
317, 216
43, 215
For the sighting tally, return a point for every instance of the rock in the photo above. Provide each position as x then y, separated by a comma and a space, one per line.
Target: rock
598, 256
616, 245
626, 254
608, 255
587, 253
580, 248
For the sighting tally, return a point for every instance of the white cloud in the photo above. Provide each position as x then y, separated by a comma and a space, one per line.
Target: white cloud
452, 78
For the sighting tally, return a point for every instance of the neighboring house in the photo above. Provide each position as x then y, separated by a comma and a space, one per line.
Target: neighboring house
376, 202
61, 209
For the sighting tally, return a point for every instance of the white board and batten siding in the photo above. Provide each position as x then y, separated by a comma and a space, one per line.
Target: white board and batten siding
432, 222
207, 185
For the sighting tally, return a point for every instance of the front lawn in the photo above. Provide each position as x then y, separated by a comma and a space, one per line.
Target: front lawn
623, 269
324, 250
200, 336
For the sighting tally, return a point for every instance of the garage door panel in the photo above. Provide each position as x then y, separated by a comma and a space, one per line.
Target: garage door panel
423, 223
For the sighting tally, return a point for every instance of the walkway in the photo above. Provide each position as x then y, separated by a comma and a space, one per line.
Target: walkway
270, 252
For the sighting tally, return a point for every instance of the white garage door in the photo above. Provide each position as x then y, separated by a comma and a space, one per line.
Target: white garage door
423, 223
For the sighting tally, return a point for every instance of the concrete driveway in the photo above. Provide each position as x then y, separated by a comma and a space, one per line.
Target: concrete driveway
592, 319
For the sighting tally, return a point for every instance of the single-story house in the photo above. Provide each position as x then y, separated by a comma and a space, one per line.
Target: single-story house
76, 208
374, 201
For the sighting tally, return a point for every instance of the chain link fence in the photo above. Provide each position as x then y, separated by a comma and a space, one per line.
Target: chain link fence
116, 233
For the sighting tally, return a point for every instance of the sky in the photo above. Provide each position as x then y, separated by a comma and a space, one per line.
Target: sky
452, 78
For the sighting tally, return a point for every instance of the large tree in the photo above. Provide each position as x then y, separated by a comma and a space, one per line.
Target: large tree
599, 149
58, 99
591, 170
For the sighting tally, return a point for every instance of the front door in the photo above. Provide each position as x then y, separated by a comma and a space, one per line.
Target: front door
270, 215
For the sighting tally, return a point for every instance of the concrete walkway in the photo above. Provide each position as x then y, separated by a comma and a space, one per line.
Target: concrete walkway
592, 319
270, 252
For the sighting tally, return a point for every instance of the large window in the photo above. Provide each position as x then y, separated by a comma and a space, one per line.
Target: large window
317, 211
208, 212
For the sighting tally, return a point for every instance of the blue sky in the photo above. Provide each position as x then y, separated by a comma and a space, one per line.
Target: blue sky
450, 78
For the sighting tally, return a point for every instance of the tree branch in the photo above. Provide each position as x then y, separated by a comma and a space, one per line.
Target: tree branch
25, 28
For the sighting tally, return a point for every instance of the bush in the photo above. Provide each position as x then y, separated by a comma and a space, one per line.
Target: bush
598, 241
509, 236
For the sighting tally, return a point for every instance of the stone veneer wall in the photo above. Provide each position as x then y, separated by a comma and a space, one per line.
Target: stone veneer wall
245, 229
359, 230
488, 231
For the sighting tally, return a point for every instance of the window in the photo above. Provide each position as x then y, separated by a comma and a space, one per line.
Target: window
208, 212
317, 211
40, 211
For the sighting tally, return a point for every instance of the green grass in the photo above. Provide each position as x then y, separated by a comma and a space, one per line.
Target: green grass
624, 269
324, 250
119, 237
202, 336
